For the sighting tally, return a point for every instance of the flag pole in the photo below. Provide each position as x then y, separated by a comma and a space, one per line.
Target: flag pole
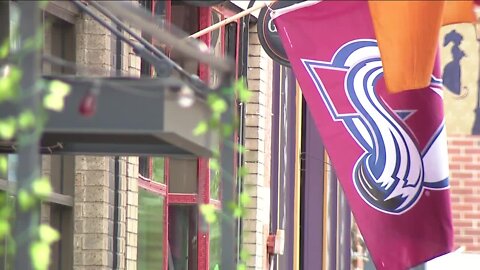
244, 13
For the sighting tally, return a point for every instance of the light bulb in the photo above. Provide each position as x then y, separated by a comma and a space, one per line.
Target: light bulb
88, 105
186, 97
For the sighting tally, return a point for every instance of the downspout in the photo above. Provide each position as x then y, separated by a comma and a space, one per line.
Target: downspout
243, 72
116, 188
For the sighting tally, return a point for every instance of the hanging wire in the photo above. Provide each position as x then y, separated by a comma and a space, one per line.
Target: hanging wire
146, 51
162, 83
141, 19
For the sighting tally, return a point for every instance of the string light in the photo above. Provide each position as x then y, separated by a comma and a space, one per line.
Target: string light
186, 97
88, 104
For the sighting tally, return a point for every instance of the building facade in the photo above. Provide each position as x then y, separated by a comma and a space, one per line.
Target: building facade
131, 212
142, 212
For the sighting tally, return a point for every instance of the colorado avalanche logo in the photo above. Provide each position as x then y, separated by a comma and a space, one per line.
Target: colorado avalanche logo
395, 166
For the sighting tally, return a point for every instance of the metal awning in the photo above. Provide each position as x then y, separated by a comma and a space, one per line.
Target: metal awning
134, 116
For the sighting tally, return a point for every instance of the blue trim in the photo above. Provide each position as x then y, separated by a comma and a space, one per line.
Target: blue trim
437, 185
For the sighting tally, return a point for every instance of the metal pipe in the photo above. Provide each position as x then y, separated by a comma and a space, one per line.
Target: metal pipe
140, 19
116, 210
28, 167
143, 51
140, 39
228, 20
244, 44
116, 174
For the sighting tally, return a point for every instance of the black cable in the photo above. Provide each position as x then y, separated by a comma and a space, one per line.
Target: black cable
116, 211
140, 39
141, 19
142, 51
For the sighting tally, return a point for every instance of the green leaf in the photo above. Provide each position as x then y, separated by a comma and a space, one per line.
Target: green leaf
3, 198
241, 148
201, 128
242, 171
244, 255
5, 212
3, 164
40, 255
241, 266
54, 100
6, 89
4, 228
59, 88
214, 164
26, 119
15, 74
244, 198
42, 187
5, 49
53, 103
227, 130
9, 82
242, 91
214, 122
238, 212
7, 128
219, 106
209, 213
25, 200
47, 234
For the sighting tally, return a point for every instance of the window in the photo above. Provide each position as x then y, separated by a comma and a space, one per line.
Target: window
183, 175
6, 260
182, 236
177, 185
185, 17
158, 173
59, 42
150, 230
57, 210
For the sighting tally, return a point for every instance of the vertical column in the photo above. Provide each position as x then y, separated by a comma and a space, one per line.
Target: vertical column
205, 20
203, 229
93, 212
28, 168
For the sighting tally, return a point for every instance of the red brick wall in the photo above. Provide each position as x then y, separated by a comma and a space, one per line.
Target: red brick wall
464, 156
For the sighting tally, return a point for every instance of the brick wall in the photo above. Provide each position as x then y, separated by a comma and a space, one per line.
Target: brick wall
257, 156
131, 211
93, 229
94, 182
464, 155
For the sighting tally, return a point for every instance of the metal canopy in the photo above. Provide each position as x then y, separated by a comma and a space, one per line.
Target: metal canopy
134, 116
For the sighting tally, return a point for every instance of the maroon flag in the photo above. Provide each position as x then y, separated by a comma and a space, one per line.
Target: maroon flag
389, 150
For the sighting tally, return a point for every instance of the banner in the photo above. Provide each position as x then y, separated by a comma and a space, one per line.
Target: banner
388, 149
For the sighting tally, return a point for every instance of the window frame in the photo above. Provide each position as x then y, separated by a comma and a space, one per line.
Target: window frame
62, 168
203, 194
